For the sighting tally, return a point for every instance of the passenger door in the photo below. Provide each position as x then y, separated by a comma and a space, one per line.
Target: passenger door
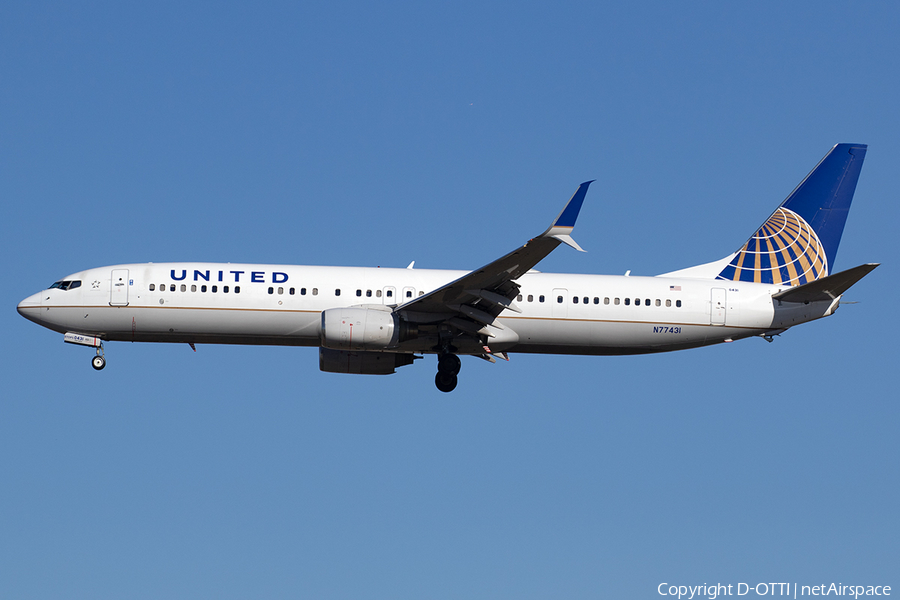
118, 288
717, 309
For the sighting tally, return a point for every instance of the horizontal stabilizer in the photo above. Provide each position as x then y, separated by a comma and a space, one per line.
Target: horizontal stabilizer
826, 288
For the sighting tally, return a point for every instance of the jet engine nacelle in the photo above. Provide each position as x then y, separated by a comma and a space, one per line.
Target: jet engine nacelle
360, 328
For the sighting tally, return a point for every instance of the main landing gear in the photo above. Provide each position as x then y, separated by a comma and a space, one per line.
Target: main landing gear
448, 368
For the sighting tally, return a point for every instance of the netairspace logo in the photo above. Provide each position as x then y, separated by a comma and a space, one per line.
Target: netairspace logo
713, 591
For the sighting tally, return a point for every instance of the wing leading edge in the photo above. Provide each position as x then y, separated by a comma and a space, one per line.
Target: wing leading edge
470, 304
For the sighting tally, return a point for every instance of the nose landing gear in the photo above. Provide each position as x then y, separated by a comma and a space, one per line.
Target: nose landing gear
448, 368
99, 361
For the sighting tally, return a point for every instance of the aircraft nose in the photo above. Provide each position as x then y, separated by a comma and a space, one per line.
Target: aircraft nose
30, 307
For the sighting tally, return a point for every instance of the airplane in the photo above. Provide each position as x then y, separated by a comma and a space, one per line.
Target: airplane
376, 320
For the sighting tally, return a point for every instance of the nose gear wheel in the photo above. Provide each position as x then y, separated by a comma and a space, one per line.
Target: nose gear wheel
99, 361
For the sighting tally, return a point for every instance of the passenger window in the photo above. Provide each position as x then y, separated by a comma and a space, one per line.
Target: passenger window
658, 303
315, 291
368, 293
530, 298
678, 303
408, 294
271, 290
359, 293
291, 292
225, 289
585, 299
668, 303
237, 289
152, 287
203, 288
183, 287
421, 293
172, 287
280, 291
215, 289
559, 299
647, 302
606, 300
637, 301
378, 293
389, 293
540, 298
616, 302
194, 287
574, 299
302, 291
337, 292
627, 301
519, 298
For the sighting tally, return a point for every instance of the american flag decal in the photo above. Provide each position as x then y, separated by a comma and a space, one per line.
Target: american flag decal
674, 288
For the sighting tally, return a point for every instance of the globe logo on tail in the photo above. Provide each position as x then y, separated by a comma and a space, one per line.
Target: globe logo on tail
785, 251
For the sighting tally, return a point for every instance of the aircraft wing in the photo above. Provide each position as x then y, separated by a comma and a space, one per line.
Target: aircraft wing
473, 301
826, 288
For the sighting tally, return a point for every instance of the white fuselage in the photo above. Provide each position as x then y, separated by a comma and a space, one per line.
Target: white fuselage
282, 305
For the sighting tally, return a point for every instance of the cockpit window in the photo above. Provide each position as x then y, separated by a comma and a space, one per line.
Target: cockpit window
66, 285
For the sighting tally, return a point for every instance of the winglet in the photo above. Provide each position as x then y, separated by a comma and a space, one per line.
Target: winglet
565, 222
568, 215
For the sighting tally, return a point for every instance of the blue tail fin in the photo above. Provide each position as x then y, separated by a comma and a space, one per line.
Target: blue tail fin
799, 242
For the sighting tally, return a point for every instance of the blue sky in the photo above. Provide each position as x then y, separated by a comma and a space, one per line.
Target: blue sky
365, 134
